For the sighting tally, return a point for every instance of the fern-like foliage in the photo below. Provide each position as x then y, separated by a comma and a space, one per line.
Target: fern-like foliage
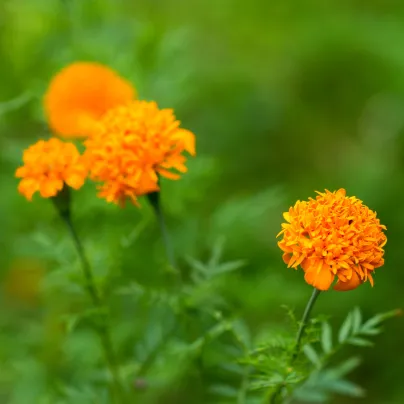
314, 377
325, 380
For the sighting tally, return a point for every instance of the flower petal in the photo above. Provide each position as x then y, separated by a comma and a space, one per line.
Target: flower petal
286, 258
27, 187
321, 280
350, 284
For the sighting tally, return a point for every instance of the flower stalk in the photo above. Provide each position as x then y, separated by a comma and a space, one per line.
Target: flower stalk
299, 336
62, 204
304, 322
155, 202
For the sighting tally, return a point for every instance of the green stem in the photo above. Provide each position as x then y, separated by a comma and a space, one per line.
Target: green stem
102, 328
154, 199
299, 336
304, 322
89, 279
242, 392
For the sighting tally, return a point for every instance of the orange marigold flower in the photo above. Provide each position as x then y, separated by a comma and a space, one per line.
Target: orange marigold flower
333, 236
48, 165
136, 143
80, 94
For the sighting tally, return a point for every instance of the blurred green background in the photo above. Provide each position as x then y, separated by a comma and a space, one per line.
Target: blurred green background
285, 98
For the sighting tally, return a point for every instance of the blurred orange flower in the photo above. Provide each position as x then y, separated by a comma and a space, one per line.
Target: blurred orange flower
333, 236
134, 144
48, 165
80, 94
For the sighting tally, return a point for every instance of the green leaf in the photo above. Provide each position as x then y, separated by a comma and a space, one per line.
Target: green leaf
233, 368
378, 319
326, 337
128, 240
345, 367
217, 252
290, 313
359, 341
311, 354
211, 334
71, 322
345, 388
223, 390
372, 331
15, 103
356, 319
130, 289
196, 265
242, 333
345, 329
274, 380
228, 267
310, 396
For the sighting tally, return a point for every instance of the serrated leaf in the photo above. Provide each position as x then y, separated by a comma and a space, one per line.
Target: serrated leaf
356, 319
326, 337
311, 354
345, 329
359, 341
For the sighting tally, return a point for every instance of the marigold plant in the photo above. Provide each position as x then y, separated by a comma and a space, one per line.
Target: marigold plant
333, 236
133, 146
80, 94
48, 166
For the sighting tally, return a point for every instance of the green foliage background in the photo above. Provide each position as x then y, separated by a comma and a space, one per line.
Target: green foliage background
285, 98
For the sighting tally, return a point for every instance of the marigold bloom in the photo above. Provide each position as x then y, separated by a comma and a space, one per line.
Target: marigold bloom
48, 165
80, 94
333, 236
136, 143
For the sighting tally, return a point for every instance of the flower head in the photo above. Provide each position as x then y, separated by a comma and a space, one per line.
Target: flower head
136, 143
333, 236
48, 166
80, 94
